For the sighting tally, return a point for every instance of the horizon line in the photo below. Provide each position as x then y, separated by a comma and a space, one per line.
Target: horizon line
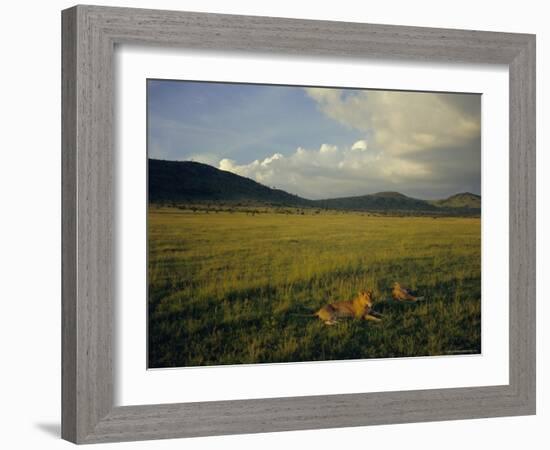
308, 199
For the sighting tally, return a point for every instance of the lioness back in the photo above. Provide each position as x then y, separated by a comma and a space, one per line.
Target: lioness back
345, 309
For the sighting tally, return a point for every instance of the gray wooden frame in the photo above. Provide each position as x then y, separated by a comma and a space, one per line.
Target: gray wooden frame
89, 36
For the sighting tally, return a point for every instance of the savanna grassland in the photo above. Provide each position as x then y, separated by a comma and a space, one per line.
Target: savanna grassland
232, 287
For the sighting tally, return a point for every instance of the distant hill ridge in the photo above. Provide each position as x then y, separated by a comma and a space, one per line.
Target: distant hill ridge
463, 200
193, 181
382, 201
189, 181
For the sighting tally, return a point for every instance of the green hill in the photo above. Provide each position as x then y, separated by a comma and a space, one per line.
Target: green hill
463, 200
188, 181
193, 182
382, 201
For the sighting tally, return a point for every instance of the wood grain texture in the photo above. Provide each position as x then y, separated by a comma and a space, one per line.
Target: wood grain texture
88, 208
89, 36
68, 226
523, 224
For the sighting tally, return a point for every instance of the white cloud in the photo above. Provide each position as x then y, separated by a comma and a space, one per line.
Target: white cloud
329, 171
421, 144
360, 145
401, 123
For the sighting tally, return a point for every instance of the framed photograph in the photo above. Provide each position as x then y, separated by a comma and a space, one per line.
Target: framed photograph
278, 224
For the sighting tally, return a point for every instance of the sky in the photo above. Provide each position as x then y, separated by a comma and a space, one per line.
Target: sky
321, 142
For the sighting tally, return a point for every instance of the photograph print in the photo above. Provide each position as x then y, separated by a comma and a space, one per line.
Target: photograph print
297, 223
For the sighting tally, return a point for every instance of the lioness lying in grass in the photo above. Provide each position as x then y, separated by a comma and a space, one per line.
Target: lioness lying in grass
402, 293
358, 308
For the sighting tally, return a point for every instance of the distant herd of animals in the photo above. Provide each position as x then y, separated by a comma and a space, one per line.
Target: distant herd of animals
361, 307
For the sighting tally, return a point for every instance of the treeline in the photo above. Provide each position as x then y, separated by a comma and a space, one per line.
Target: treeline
253, 210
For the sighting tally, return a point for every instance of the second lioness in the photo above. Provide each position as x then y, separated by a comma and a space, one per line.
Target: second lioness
358, 308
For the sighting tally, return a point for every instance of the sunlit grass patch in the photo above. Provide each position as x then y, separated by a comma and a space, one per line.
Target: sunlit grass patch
230, 287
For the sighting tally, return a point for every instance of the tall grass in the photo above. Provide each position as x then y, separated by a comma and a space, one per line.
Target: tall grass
230, 288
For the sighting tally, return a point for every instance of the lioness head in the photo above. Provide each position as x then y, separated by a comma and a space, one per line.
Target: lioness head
366, 298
